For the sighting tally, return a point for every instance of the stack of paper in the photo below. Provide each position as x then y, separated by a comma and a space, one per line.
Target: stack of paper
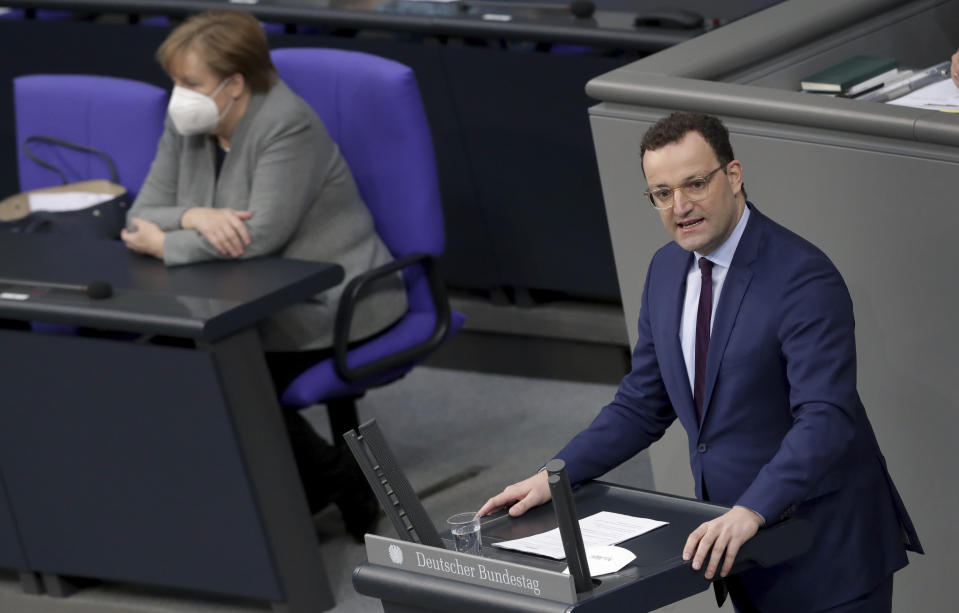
601, 529
940, 96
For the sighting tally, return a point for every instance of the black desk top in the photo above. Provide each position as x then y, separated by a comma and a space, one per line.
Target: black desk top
609, 29
657, 577
652, 549
202, 301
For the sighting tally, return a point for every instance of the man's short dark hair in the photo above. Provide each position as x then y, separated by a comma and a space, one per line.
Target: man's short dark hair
672, 128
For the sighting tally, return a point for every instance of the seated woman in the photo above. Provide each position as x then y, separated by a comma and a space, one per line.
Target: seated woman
245, 168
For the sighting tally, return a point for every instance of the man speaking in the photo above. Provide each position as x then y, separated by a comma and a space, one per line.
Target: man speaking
746, 335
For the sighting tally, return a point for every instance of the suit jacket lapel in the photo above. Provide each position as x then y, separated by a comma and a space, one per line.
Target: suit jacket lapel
737, 281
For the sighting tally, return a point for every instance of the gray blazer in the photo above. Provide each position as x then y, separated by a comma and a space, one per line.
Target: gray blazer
284, 167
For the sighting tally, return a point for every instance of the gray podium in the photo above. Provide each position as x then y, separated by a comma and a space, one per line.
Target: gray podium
141, 463
870, 184
658, 576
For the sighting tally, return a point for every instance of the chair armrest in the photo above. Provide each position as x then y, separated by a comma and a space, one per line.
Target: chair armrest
353, 292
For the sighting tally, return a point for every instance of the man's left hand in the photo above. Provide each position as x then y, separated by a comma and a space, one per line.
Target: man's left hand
147, 237
725, 534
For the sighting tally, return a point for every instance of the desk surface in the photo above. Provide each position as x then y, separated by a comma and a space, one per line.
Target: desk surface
657, 577
202, 301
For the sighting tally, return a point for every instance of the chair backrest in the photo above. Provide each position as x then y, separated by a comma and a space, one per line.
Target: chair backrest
372, 108
44, 14
124, 118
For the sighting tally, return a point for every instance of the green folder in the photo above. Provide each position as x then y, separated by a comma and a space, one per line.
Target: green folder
848, 73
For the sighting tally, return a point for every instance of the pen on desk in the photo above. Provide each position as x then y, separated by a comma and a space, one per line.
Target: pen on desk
905, 89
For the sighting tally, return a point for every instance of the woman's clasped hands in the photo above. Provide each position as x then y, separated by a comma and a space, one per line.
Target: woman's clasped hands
225, 229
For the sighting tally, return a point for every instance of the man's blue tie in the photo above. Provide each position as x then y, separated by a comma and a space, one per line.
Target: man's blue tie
703, 316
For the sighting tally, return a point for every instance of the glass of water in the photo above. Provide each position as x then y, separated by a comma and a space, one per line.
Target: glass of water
465, 528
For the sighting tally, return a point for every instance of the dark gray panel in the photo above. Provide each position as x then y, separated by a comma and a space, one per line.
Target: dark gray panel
533, 165
11, 554
122, 464
275, 481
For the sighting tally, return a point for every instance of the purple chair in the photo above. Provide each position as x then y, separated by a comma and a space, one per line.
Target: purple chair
121, 117
372, 109
45, 14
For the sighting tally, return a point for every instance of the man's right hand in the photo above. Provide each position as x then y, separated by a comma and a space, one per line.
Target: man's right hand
526, 494
224, 228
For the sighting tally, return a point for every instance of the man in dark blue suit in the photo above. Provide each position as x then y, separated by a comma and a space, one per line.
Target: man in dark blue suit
746, 335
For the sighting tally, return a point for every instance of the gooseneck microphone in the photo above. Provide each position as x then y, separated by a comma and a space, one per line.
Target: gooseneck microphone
96, 290
581, 9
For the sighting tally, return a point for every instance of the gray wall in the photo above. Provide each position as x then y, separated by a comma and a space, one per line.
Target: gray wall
870, 185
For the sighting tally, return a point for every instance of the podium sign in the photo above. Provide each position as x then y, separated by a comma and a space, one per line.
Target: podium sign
466, 568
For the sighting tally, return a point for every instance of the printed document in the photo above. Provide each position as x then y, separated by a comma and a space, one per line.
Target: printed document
600, 529
942, 96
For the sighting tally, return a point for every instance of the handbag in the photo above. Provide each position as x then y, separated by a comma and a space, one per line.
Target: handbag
41, 211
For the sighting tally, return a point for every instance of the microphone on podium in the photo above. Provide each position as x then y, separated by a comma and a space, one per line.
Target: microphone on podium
96, 290
581, 9
568, 522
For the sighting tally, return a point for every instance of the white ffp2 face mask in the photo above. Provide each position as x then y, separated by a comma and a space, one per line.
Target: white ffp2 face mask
195, 113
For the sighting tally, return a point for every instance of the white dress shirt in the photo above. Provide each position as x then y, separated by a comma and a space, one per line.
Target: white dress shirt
721, 258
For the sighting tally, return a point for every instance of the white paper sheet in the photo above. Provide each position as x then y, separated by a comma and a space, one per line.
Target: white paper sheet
14, 296
605, 560
65, 201
942, 95
600, 529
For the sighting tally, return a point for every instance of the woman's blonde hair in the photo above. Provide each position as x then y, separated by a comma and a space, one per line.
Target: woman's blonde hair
229, 42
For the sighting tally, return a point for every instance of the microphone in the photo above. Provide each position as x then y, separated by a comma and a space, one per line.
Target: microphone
581, 9
568, 522
98, 290
95, 290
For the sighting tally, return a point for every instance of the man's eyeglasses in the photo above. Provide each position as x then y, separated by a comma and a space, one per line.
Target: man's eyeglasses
695, 189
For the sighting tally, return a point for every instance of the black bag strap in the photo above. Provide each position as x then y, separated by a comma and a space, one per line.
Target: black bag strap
69, 145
